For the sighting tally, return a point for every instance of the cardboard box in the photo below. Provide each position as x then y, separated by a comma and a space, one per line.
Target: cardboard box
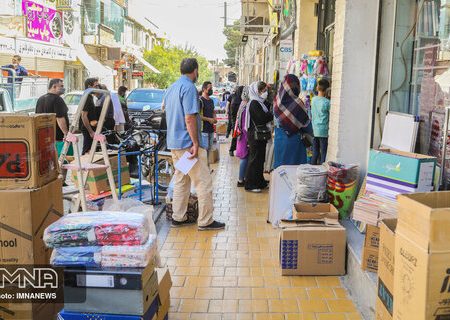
306, 211
24, 215
214, 154
164, 285
312, 247
29, 311
97, 181
421, 281
425, 217
386, 263
221, 127
372, 239
393, 172
27, 149
369, 260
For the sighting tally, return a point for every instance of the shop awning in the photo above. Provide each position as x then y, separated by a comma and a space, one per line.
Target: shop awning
145, 63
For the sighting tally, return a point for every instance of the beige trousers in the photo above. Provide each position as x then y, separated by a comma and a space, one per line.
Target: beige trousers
202, 181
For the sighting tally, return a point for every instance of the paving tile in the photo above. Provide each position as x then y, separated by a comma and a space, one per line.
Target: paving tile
198, 282
178, 281
253, 306
313, 306
224, 281
293, 293
331, 316
250, 282
300, 316
265, 293
209, 293
354, 316
237, 293
223, 306
286, 305
191, 305
269, 316
328, 281
205, 316
341, 305
182, 292
321, 293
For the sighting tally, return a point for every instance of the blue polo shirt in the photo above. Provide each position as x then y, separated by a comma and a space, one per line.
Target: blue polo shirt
181, 99
20, 71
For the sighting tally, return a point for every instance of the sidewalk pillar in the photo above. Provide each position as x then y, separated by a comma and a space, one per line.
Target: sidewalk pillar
354, 68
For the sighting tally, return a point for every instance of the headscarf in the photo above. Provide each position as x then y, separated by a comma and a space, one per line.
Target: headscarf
289, 109
242, 108
253, 94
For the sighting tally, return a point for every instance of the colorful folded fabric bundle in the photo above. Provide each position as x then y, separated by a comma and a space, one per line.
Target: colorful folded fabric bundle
137, 256
98, 229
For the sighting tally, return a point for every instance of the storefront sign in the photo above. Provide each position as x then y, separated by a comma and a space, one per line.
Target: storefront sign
43, 23
12, 26
137, 75
64, 5
34, 49
286, 53
106, 37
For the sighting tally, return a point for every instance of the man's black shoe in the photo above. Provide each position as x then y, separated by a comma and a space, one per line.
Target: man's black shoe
213, 226
178, 224
241, 184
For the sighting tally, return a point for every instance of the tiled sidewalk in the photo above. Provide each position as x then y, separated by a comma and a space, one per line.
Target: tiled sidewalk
234, 274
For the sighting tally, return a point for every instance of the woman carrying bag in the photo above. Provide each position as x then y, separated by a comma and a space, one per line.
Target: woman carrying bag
257, 117
292, 124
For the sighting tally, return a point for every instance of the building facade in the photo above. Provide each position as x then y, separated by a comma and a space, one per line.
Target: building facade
76, 39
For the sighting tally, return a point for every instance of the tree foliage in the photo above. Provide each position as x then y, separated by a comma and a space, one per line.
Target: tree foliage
234, 38
167, 58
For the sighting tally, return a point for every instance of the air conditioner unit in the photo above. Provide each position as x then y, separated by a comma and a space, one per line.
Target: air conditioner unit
103, 54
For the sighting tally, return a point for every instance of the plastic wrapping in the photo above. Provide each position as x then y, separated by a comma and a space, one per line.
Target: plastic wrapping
106, 256
342, 186
135, 206
311, 184
100, 228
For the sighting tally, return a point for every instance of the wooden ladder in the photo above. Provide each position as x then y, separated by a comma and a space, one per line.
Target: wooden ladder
83, 169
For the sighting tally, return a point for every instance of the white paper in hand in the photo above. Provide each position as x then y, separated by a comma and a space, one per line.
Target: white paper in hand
185, 164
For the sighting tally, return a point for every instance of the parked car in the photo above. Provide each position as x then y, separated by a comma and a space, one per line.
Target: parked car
143, 101
72, 100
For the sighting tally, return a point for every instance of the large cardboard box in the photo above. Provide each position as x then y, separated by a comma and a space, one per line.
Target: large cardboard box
306, 211
97, 181
386, 263
24, 215
28, 156
164, 286
221, 127
214, 154
425, 217
29, 311
421, 281
393, 172
312, 247
370, 251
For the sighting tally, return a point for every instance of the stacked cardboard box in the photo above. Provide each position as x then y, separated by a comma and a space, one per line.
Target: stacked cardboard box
422, 255
31, 198
386, 264
97, 181
313, 242
370, 250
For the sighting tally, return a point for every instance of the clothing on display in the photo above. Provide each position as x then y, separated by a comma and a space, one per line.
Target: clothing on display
107, 256
98, 229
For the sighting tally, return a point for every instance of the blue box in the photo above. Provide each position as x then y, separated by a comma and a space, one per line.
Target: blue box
151, 312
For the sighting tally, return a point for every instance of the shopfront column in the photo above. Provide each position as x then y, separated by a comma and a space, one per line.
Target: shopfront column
353, 79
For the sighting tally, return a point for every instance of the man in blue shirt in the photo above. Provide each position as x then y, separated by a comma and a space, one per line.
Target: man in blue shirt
15, 79
181, 105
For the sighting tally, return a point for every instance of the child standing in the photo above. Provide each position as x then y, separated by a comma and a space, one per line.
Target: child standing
320, 110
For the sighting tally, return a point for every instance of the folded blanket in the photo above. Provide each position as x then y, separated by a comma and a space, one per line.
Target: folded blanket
98, 229
106, 256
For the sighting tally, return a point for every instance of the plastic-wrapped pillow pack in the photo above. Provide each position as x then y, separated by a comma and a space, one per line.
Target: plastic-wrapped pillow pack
100, 228
311, 183
106, 256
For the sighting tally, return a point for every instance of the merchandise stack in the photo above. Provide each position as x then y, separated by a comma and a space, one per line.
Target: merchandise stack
110, 270
390, 173
31, 199
414, 279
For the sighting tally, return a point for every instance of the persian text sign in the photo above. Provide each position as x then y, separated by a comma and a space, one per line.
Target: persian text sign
43, 23
29, 48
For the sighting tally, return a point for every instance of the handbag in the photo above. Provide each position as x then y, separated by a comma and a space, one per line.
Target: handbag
307, 140
262, 133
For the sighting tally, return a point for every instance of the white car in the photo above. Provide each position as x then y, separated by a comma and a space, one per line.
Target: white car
72, 100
